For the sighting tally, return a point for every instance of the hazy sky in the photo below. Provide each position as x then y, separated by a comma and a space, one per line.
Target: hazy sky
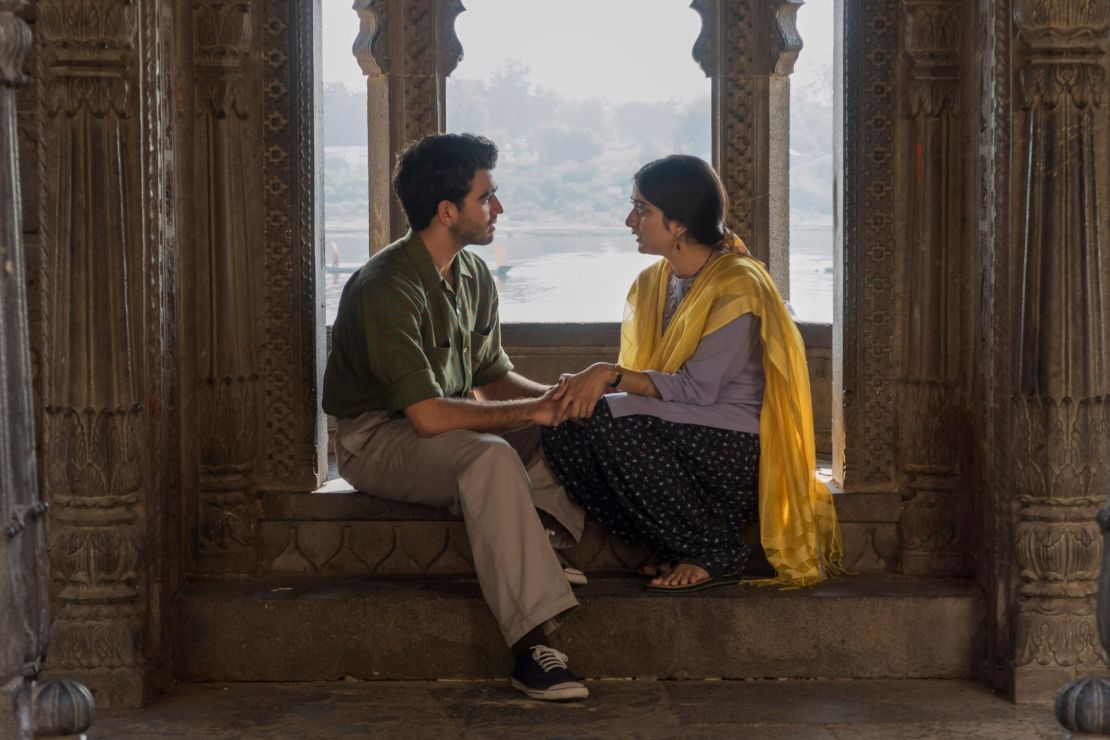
628, 49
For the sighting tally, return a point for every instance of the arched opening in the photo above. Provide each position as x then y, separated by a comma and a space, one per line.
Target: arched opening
346, 186
812, 102
577, 95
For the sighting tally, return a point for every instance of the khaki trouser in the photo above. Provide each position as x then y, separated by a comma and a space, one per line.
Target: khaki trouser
483, 478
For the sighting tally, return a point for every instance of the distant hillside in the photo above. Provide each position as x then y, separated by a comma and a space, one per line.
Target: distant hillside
568, 164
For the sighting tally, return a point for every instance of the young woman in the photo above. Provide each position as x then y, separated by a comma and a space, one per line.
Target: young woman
705, 422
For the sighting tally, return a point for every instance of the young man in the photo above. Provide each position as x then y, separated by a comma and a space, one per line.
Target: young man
416, 332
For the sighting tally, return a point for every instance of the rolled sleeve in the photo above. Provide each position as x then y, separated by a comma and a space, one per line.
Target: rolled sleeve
415, 387
494, 370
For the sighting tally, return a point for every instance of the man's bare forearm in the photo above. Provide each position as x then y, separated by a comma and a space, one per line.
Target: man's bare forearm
510, 386
438, 415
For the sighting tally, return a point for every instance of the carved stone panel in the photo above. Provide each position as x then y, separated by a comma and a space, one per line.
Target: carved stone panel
293, 438
226, 219
411, 548
1059, 415
864, 344
933, 302
107, 251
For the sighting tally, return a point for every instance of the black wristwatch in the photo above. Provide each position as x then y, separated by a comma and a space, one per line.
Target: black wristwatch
620, 376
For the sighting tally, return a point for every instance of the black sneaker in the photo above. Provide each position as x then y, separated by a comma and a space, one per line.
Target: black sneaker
541, 673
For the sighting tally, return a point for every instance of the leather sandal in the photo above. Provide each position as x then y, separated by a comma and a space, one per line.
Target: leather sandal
655, 566
714, 580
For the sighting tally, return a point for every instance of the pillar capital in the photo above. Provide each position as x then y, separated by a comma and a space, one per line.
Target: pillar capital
406, 49
1062, 24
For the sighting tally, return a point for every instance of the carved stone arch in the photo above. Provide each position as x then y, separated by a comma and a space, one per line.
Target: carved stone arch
450, 47
785, 42
704, 51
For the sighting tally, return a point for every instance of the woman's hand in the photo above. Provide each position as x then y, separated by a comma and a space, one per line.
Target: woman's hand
578, 392
547, 410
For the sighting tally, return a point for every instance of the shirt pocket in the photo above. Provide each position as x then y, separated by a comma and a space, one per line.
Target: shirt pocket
439, 358
480, 344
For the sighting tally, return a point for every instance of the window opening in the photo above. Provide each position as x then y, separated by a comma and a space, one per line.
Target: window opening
577, 95
346, 175
811, 167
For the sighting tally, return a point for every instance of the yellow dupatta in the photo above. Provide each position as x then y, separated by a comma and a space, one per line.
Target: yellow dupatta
798, 525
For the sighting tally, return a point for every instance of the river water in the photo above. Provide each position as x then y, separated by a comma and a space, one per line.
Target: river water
573, 278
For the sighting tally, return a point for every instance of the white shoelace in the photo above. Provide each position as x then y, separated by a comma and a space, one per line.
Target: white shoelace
548, 658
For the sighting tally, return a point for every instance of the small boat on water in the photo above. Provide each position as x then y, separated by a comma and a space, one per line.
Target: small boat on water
501, 260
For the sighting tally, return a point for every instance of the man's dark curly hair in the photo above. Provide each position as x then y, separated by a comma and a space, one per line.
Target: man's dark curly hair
439, 168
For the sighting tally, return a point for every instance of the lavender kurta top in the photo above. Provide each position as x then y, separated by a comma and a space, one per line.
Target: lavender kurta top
720, 386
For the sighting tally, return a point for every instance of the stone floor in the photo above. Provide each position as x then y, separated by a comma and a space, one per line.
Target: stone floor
616, 709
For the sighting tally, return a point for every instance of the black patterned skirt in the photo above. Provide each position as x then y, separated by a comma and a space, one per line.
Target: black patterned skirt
685, 490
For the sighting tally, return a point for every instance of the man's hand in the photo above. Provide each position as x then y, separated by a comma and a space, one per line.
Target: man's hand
548, 411
577, 394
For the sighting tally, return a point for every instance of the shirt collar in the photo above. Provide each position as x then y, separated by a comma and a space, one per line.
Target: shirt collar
430, 279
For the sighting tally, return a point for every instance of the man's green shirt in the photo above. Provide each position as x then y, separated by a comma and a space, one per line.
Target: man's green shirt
402, 335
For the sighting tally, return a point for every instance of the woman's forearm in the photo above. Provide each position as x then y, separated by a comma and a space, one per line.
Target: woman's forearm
638, 384
578, 394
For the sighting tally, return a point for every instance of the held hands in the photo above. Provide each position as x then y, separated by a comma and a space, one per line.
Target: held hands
547, 410
577, 393
574, 396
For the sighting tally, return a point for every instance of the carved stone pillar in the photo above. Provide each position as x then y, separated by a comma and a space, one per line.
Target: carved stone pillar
930, 383
748, 49
406, 49
226, 227
24, 618
992, 469
107, 302
865, 333
1060, 410
292, 453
